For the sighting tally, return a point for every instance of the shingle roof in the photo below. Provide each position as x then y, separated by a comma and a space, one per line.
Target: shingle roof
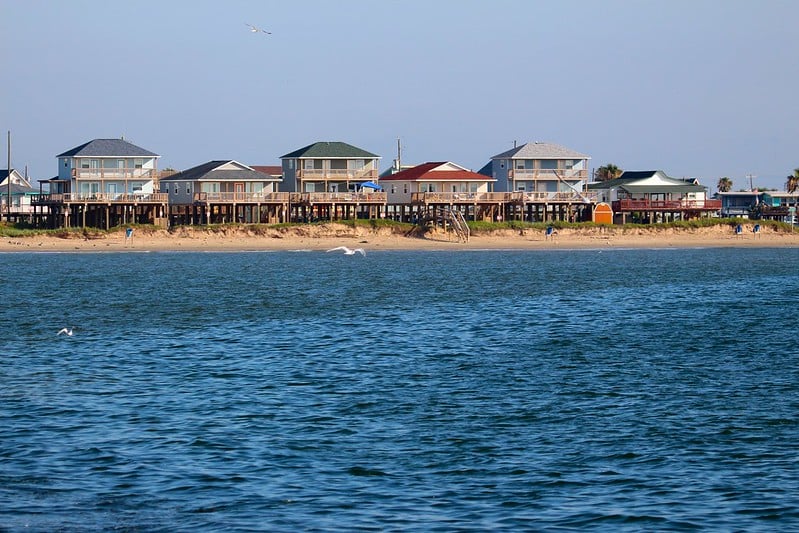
330, 150
108, 148
429, 172
208, 171
274, 170
540, 150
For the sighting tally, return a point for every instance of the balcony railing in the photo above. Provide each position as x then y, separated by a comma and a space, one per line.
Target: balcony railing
344, 197
491, 197
242, 197
547, 174
154, 197
666, 205
126, 173
335, 174
463, 197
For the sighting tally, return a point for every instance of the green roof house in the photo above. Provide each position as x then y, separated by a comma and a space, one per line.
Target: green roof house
328, 167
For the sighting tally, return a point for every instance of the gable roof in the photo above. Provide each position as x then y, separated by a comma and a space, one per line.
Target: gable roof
540, 150
108, 148
330, 150
214, 171
16, 178
437, 171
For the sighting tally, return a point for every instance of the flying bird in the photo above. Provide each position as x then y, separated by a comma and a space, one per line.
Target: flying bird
256, 29
65, 331
349, 251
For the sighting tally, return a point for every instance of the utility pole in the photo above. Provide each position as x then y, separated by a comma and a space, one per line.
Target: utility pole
751, 177
399, 156
8, 183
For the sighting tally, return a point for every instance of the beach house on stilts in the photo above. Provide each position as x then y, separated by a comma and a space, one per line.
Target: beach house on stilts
102, 183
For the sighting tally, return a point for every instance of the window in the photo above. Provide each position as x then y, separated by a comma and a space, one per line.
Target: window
393, 189
176, 188
308, 164
291, 164
405, 188
138, 163
188, 188
84, 163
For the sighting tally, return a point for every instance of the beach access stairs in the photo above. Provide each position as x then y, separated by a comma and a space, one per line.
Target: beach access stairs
448, 220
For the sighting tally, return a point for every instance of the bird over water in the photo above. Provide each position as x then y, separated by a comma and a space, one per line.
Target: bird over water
349, 251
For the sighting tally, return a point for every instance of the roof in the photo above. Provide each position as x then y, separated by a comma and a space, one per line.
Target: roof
540, 150
17, 190
108, 148
435, 171
220, 170
330, 150
635, 181
273, 170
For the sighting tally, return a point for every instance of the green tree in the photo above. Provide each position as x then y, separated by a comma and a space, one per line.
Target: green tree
792, 186
792, 182
608, 172
724, 184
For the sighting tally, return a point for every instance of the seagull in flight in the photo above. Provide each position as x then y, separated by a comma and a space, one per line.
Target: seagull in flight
256, 29
349, 251
65, 331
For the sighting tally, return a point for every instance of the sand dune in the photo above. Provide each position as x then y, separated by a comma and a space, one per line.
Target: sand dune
326, 236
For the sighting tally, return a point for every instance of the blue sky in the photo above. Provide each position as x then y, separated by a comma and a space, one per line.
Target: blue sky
693, 87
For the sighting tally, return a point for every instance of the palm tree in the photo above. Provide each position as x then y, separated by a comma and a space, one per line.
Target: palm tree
724, 184
792, 182
608, 172
792, 185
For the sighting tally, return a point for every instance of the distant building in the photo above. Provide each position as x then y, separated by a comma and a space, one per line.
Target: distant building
21, 194
454, 181
538, 167
652, 196
223, 191
106, 167
328, 167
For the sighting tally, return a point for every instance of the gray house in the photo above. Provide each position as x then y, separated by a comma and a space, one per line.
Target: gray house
224, 191
544, 169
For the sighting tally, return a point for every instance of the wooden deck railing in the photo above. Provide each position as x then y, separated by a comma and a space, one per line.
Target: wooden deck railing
547, 174
498, 197
344, 197
666, 205
242, 197
100, 197
337, 174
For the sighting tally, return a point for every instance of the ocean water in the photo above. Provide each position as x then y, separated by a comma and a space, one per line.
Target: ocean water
619, 390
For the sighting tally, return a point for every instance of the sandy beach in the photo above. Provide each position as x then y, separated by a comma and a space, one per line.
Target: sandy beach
327, 236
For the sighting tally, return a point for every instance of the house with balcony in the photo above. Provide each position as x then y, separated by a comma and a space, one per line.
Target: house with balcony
439, 185
652, 196
328, 167
103, 183
106, 168
21, 194
541, 170
224, 191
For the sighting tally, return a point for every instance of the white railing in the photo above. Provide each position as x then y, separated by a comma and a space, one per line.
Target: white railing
113, 173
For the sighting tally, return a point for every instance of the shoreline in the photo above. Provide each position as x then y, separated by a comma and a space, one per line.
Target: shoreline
327, 236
